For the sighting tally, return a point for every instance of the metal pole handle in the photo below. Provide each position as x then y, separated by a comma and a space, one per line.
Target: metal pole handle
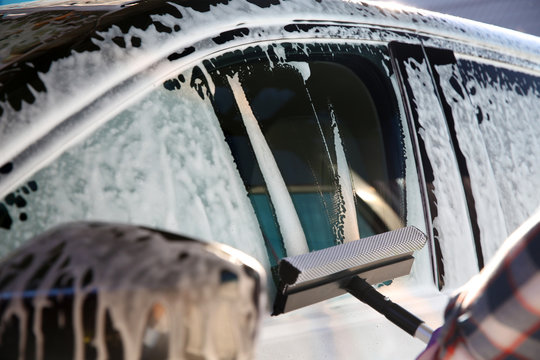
366, 293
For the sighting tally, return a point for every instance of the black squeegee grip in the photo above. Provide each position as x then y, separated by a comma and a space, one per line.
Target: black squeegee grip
366, 293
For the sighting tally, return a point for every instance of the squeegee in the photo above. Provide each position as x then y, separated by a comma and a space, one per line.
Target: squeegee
353, 267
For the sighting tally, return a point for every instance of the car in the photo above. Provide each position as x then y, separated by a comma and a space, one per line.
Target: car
277, 128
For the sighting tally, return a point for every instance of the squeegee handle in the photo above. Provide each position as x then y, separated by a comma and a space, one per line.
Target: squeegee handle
366, 293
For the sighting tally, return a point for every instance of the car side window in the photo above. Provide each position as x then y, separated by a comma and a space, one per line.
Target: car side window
275, 150
495, 111
332, 125
507, 107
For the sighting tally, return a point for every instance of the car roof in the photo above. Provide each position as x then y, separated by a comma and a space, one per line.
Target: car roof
65, 17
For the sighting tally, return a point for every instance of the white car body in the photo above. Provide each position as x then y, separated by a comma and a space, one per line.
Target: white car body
487, 153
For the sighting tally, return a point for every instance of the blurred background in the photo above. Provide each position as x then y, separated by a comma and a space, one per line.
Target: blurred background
520, 15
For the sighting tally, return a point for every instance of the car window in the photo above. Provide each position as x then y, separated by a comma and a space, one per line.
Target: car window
495, 111
506, 102
331, 125
275, 150
162, 162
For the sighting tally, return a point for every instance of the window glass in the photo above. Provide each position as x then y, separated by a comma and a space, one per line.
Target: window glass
331, 124
275, 150
505, 131
161, 163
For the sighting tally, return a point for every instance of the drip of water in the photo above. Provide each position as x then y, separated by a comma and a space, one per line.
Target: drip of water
351, 232
293, 234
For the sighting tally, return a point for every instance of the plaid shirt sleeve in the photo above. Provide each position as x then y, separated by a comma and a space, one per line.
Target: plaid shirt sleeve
497, 315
